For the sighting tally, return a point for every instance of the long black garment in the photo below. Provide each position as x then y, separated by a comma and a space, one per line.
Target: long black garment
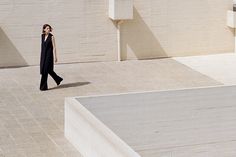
46, 61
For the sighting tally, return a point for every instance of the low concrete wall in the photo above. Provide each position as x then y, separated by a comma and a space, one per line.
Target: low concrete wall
187, 122
90, 136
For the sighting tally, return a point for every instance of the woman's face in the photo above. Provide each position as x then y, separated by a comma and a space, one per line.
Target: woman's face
47, 30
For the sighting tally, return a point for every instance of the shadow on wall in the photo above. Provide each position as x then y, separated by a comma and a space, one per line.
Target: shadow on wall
138, 39
9, 55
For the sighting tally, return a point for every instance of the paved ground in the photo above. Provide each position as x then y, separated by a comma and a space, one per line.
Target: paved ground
221, 67
32, 122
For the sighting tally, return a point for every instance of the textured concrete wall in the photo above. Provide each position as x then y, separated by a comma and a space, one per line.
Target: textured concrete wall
177, 28
82, 29
84, 32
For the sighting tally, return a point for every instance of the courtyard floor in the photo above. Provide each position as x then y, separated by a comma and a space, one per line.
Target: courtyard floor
32, 121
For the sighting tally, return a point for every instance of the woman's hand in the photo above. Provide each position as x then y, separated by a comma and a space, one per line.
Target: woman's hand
55, 60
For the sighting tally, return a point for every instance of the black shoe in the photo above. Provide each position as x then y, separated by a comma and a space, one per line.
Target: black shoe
59, 82
44, 89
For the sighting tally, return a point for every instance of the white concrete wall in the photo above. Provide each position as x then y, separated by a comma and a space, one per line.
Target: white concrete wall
177, 28
82, 29
84, 32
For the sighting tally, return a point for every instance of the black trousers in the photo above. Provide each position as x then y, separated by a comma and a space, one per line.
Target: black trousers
44, 79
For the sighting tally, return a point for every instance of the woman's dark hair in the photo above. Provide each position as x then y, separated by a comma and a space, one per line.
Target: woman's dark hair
46, 25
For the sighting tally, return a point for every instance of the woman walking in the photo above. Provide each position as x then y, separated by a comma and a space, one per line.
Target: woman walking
48, 57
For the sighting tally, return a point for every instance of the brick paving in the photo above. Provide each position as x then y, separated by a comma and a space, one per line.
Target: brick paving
32, 121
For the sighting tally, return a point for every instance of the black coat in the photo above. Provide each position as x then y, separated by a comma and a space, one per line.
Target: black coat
46, 59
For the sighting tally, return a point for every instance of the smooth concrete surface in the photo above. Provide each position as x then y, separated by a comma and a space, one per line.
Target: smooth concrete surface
90, 136
84, 32
231, 18
120, 9
178, 123
32, 122
219, 67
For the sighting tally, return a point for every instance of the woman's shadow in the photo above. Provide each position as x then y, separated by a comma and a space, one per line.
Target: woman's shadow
68, 85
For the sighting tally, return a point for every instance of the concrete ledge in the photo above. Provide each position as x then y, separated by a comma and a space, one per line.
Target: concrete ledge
231, 18
151, 124
90, 136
